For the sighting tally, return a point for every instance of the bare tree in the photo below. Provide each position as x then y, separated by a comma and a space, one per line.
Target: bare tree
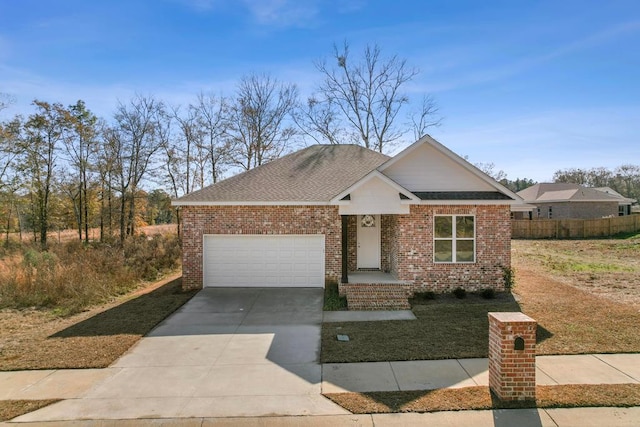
136, 140
107, 163
425, 118
365, 96
576, 176
319, 119
211, 117
490, 169
627, 180
6, 100
258, 129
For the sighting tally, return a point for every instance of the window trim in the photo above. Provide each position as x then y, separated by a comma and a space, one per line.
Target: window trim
453, 239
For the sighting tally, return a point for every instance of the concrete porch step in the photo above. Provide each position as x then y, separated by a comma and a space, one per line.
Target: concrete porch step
376, 296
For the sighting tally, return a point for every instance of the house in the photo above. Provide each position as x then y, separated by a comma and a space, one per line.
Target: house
624, 203
566, 201
383, 227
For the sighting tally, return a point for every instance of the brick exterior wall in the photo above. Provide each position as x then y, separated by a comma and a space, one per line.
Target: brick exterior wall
415, 249
386, 236
201, 220
406, 244
352, 243
576, 210
512, 372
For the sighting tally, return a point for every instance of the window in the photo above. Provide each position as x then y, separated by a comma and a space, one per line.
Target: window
454, 238
550, 212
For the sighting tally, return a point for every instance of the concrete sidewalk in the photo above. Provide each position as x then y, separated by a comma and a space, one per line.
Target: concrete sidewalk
361, 377
562, 417
457, 373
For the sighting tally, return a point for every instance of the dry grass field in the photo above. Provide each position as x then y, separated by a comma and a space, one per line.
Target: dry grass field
608, 268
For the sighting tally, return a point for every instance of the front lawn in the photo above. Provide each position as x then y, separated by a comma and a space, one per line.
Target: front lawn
570, 321
36, 339
443, 330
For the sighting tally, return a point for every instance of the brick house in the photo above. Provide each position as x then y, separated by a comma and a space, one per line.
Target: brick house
572, 201
384, 228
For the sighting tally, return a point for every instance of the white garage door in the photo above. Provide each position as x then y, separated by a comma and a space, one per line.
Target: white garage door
263, 260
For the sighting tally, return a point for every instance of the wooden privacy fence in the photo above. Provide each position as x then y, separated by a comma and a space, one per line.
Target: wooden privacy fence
573, 228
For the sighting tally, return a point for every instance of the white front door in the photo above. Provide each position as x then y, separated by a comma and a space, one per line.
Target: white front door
368, 241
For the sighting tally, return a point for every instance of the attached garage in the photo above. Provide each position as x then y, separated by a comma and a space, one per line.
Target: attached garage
263, 260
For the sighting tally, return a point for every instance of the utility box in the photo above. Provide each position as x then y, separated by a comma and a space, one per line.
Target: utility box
512, 356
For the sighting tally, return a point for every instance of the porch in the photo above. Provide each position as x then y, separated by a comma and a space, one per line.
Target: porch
373, 277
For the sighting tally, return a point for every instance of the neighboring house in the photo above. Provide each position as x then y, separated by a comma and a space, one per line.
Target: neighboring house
572, 201
384, 228
624, 203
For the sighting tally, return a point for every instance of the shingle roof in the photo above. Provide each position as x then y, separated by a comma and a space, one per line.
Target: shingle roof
314, 174
547, 192
461, 195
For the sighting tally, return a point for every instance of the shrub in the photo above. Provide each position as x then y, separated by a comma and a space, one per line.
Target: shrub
509, 277
488, 293
460, 293
71, 276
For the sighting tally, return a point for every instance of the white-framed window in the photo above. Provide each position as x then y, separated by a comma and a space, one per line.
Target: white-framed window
454, 238
550, 212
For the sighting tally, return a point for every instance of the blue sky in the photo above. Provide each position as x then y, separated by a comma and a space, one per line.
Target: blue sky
532, 86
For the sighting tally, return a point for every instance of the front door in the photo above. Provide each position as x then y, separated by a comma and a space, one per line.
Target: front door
369, 241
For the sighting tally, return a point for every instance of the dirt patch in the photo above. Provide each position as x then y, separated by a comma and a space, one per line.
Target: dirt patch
470, 398
608, 268
36, 339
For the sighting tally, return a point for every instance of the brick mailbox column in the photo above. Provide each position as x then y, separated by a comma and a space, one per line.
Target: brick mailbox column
512, 356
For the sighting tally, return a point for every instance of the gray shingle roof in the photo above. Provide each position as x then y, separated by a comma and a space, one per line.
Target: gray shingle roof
461, 195
557, 192
314, 174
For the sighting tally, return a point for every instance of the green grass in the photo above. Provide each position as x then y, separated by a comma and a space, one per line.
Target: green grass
332, 299
570, 321
443, 330
571, 264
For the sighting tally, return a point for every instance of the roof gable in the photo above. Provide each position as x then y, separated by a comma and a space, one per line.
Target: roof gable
428, 166
375, 193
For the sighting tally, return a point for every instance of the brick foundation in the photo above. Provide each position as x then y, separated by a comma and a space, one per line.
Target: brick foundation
512, 371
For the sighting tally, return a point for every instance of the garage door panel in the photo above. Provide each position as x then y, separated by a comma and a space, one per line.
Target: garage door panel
263, 260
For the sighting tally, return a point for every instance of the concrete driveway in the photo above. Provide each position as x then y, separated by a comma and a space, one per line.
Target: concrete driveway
227, 352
